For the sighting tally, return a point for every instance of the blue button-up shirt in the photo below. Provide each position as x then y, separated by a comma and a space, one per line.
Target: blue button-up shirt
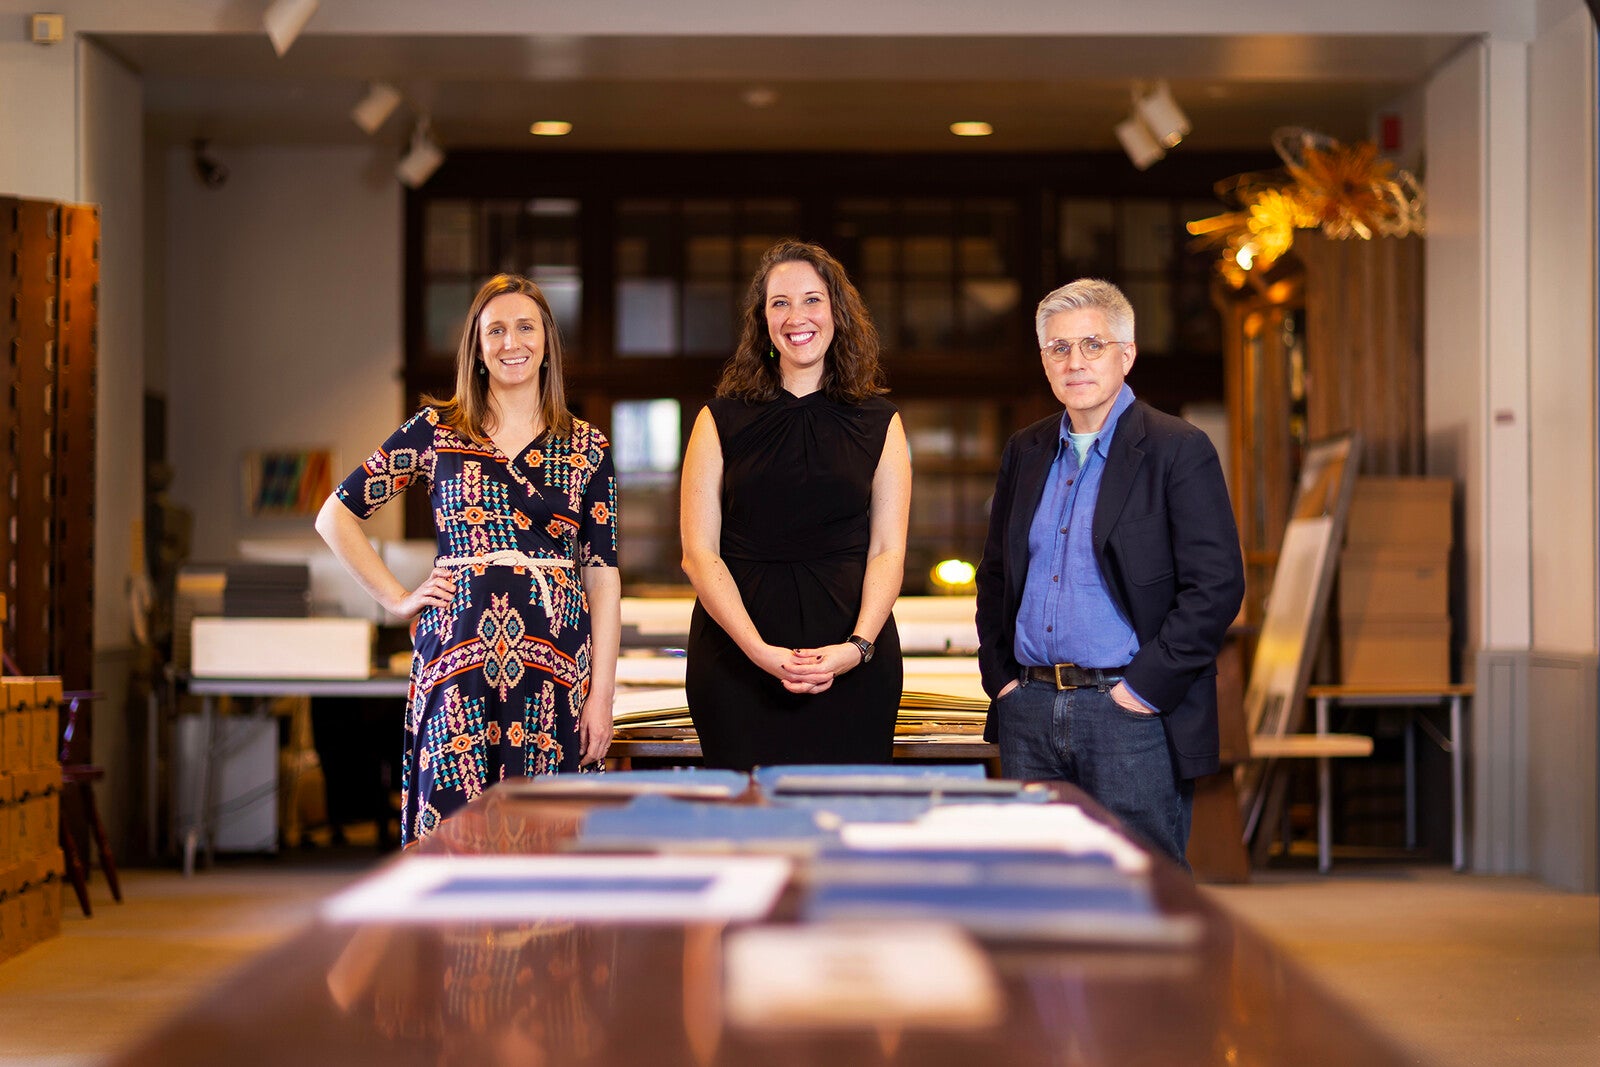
1067, 615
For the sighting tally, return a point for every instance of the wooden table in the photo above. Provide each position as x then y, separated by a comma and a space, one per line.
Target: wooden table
198, 832
612, 995
1413, 699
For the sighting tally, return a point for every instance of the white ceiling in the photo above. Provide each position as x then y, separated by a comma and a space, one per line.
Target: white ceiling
828, 93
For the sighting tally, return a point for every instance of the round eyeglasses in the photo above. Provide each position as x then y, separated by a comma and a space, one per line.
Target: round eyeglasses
1090, 348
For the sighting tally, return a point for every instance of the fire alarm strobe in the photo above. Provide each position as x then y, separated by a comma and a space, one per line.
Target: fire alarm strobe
47, 29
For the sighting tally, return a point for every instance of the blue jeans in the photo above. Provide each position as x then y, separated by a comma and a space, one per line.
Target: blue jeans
1119, 757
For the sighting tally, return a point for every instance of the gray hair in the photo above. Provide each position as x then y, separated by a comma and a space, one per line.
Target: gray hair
1088, 294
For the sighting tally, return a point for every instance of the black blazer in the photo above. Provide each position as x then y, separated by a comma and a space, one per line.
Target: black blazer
1168, 550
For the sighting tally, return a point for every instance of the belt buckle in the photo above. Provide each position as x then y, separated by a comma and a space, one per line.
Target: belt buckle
1059, 683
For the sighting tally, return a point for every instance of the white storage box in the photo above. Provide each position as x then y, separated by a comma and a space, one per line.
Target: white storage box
281, 648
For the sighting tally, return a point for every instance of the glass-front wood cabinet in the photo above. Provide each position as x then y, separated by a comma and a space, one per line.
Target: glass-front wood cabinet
646, 260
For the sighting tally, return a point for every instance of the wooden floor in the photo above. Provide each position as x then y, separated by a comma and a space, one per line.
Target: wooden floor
1461, 969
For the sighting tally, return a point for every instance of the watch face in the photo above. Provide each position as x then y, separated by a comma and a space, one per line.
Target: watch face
864, 646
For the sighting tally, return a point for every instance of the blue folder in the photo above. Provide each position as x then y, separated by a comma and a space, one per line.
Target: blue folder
1003, 894
698, 782
877, 779
663, 824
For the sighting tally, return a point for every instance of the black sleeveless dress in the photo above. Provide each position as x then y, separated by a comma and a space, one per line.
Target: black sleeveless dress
796, 488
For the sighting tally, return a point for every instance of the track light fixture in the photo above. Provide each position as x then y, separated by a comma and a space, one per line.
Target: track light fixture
284, 19
1162, 116
1142, 148
374, 109
1157, 124
424, 157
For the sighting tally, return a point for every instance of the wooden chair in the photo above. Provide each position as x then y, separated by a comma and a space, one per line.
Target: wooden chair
77, 781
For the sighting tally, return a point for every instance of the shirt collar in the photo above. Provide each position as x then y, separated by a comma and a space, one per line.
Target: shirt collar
1102, 441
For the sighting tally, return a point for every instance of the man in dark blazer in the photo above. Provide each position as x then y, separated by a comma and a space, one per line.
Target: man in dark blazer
1110, 575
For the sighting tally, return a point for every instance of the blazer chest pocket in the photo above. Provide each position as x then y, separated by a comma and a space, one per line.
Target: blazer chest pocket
1144, 549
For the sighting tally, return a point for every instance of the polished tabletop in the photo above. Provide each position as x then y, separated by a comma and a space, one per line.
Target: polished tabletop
565, 993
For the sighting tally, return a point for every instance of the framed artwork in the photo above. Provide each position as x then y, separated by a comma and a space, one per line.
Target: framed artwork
1296, 606
287, 482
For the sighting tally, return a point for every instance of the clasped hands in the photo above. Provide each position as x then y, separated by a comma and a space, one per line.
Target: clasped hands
809, 670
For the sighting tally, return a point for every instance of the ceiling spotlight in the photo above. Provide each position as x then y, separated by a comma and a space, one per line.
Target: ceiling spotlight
971, 129
760, 96
418, 164
1142, 148
374, 109
550, 128
284, 19
1162, 116
1157, 124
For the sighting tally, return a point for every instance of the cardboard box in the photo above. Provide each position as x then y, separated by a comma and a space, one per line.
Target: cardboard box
46, 727
49, 893
11, 924
1380, 651
16, 739
46, 739
16, 734
281, 648
8, 837
36, 824
1400, 511
1389, 582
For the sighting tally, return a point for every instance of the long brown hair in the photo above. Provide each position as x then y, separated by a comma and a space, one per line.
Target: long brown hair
851, 371
467, 412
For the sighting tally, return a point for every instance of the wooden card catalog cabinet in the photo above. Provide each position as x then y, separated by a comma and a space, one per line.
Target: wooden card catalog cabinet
49, 295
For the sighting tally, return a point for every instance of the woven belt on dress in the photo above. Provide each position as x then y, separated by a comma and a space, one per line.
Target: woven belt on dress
1072, 676
510, 557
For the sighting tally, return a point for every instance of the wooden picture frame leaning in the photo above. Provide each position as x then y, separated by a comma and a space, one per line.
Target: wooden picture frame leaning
1296, 606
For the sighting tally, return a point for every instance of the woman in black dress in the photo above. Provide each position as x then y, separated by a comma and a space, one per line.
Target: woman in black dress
796, 496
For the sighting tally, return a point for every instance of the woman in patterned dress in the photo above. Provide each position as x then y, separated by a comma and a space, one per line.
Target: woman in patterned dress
516, 628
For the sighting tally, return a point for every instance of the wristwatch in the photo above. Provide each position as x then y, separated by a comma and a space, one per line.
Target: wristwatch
863, 646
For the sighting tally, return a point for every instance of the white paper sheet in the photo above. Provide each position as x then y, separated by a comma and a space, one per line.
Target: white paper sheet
849, 975
620, 889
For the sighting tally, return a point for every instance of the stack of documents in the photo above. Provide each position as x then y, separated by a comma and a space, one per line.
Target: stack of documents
1008, 871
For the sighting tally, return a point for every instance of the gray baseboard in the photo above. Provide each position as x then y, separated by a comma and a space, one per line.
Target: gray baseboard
1534, 764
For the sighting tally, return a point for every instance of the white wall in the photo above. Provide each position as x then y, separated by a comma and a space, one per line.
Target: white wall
282, 322
1455, 328
1563, 703
38, 118
1562, 287
111, 114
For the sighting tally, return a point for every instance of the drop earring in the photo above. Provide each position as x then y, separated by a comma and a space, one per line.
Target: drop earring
772, 351
483, 368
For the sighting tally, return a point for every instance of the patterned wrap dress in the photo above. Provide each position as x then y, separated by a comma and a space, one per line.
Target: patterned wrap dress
500, 674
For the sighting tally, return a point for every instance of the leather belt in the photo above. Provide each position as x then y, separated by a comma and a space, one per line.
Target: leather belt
1072, 676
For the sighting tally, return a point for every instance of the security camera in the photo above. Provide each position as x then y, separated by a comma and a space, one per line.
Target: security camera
211, 171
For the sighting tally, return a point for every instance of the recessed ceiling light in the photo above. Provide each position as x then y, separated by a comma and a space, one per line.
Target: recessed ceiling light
550, 128
971, 129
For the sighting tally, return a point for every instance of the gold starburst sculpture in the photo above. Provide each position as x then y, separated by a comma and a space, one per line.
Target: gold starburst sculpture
1344, 190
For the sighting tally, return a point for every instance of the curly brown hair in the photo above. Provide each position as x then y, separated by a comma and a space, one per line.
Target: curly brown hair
467, 412
851, 370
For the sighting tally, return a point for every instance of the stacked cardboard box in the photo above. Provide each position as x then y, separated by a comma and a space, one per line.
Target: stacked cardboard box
30, 813
1394, 583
